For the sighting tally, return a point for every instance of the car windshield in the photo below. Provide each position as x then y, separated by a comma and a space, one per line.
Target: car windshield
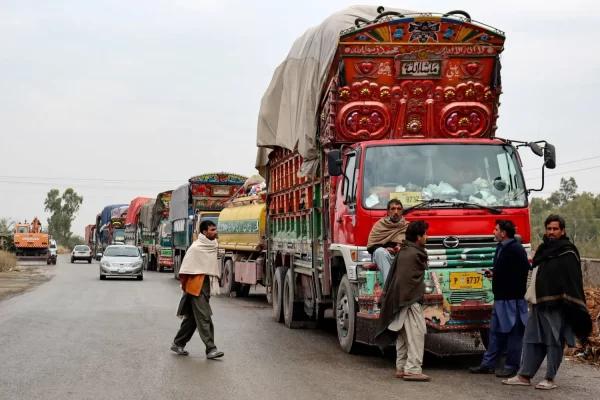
487, 175
121, 251
82, 248
52, 245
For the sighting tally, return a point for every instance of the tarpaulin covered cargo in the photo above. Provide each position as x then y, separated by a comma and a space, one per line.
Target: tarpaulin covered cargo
288, 111
161, 208
180, 206
106, 213
146, 214
134, 209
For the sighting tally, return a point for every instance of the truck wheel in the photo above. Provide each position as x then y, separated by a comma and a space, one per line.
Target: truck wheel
269, 290
345, 316
291, 310
229, 283
278, 284
175, 266
484, 333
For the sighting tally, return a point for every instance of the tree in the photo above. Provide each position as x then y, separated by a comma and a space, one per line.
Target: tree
63, 210
566, 192
7, 226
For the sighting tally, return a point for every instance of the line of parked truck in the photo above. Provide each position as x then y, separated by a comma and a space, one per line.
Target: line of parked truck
400, 105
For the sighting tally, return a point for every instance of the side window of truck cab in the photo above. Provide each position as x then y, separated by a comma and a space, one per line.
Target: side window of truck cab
349, 185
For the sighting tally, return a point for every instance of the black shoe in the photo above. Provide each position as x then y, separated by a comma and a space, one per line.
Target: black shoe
506, 373
179, 350
214, 353
480, 369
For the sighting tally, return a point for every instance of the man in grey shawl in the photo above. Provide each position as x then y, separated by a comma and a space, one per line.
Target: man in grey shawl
558, 311
386, 236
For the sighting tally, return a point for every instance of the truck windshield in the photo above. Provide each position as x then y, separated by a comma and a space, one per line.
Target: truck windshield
484, 174
166, 229
119, 235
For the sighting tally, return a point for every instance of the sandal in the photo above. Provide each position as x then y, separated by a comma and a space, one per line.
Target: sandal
515, 381
546, 385
416, 377
399, 374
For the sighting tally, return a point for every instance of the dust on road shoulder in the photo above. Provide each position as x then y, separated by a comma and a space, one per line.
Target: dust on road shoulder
24, 277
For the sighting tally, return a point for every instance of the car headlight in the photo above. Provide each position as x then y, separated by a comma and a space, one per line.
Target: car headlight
360, 256
105, 264
137, 264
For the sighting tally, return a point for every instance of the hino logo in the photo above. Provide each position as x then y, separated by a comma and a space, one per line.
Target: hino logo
450, 242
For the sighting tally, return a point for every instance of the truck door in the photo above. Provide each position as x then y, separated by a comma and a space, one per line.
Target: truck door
345, 206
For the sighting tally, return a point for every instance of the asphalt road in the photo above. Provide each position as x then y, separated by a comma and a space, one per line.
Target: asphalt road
76, 337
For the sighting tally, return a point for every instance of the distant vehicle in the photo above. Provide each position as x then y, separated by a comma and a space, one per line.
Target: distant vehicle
52, 255
121, 260
81, 252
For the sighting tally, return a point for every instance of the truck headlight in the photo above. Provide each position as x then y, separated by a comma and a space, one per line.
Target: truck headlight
360, 256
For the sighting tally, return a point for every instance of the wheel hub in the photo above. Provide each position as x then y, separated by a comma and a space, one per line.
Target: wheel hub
342, 315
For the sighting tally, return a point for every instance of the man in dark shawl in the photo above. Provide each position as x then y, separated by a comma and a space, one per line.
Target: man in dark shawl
401, 317
559, 313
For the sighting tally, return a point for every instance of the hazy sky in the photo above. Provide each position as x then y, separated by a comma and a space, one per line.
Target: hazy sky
120, 99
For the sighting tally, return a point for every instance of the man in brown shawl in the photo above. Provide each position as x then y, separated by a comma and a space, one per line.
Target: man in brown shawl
401, 316
558, 314
386, 236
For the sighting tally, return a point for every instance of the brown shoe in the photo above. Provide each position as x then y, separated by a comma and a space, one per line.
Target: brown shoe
399, 374
416, 377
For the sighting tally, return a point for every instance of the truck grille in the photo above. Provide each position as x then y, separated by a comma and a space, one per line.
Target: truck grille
437, 242
459, 295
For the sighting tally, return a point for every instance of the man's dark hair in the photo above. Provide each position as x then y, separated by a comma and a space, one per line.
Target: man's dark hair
204, 225
507, 226
416, 229
555, 218
394, 201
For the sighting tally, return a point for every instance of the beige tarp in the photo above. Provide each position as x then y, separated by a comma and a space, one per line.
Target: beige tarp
288, 110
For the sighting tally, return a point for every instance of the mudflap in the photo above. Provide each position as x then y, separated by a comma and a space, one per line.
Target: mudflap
366, 329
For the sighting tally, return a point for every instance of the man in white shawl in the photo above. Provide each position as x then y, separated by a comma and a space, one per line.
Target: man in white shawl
199, 275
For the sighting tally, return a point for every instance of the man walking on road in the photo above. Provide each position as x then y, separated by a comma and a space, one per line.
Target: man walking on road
509, 284
401, 315
558, 311
199, 275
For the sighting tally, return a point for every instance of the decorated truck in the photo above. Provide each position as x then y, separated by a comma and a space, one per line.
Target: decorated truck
242, 229
111, 223
201, 198
156, 233
89, 236
133, 235
406, 107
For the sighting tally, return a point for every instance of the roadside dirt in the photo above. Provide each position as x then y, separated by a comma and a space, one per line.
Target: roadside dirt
23, 278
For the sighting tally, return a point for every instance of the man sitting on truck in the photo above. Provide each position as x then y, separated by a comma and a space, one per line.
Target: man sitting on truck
386, 236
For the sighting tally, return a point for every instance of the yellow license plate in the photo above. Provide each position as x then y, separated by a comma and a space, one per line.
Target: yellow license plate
465, 280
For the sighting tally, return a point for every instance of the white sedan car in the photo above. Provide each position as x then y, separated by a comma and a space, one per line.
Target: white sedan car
81, 252
121, 261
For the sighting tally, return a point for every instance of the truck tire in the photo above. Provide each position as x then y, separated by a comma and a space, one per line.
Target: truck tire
278, 284
292, 310
229, 283
176, 266
345, 316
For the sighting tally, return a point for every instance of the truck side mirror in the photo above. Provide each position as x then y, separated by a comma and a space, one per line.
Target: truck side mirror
334, 163
549, 156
